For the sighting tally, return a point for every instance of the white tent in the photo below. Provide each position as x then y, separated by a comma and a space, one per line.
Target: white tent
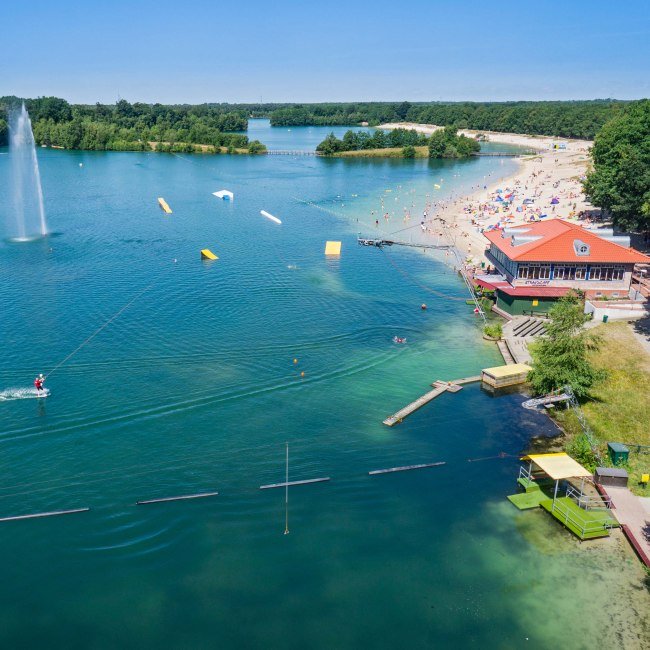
224, 194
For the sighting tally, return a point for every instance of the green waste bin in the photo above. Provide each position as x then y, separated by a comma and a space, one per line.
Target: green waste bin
605, 318
618, 453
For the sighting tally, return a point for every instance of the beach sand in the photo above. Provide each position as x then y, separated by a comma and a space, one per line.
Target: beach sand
551, 173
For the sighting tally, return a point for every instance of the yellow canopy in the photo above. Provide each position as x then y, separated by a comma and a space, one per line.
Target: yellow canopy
558, 466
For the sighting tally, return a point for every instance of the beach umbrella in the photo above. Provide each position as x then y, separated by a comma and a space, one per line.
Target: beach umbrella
555, 201
499, 191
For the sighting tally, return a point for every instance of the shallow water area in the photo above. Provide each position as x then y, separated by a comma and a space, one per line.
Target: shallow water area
197, 386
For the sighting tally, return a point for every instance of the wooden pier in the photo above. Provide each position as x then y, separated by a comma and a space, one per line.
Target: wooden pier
439, 387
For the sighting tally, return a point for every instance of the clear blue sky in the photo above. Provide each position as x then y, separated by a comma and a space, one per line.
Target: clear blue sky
316, 50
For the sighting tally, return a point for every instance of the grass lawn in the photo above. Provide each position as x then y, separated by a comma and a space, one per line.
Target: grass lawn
390, 152
619, 410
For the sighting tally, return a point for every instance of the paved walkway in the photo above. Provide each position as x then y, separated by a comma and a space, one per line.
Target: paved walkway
630, 510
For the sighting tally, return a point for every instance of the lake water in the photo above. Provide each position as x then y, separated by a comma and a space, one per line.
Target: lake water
194, 388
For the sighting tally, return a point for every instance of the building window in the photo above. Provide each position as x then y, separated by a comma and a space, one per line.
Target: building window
564, 272
581, 272
606, 273
535, 271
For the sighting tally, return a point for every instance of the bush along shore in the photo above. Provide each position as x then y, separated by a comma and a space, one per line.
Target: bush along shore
406, 143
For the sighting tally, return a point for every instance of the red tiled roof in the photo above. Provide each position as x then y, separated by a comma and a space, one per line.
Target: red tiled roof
535, 292
556, 244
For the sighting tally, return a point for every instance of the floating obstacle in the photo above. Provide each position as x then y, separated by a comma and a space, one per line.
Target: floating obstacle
164, 205
226, 195
266, 214
184, 497
290, 483
39, 515
207, 254
405, 468
333, 248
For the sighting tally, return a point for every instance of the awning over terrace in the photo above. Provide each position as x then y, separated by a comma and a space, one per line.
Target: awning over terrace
558, 466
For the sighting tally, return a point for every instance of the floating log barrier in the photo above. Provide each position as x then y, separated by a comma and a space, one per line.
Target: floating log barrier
38, 515
183, 497
290, 483
405, 468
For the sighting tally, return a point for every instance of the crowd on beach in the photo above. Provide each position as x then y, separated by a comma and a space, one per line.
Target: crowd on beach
547, 185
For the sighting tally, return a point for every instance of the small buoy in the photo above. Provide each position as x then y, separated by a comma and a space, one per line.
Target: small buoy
302, 374
423, 306
295, 360
81, 164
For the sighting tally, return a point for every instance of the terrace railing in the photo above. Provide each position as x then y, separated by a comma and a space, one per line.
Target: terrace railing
588, 502
584, 526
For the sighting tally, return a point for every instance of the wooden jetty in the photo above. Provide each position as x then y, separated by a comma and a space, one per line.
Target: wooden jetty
183, 497
439, 387
405, 468
292, 152
290, 483
38, 515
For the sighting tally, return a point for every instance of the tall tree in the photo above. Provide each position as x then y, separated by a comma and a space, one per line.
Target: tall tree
620, 180
560, 356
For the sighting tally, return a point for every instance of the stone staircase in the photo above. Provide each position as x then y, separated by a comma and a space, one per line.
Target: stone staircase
518, 332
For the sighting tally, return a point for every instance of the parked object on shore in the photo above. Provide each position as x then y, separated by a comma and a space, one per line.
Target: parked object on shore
226, 195
164, 205
615, 476
264, 213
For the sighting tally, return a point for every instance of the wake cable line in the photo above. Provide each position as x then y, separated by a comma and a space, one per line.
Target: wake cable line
97, 331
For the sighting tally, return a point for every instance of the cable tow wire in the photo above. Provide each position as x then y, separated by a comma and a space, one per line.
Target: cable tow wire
97, 331
417, 282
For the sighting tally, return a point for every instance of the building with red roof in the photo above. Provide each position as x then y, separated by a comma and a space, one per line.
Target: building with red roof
540, 262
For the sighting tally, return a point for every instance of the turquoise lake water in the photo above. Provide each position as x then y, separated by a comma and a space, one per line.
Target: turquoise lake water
194, 388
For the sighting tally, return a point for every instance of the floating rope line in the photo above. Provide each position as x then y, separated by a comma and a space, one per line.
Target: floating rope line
97, 331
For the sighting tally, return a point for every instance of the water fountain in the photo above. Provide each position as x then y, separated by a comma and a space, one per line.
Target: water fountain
28, 194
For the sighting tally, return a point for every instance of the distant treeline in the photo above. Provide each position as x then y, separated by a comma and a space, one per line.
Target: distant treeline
570, 119
127, 127
444, 143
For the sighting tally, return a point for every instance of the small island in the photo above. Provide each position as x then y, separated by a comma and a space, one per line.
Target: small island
400, 143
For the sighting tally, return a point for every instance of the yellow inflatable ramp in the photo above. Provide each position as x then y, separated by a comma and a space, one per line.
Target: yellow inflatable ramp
207, 254
163, 204
332, 248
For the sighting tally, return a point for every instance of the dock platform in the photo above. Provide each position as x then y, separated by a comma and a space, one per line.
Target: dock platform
439, 387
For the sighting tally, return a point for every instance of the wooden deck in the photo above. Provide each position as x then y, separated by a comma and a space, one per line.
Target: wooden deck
439, 387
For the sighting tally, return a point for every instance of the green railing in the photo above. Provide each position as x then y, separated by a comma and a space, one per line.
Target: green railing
585, 527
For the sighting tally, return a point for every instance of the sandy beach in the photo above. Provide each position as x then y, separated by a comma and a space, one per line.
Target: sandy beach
545, 186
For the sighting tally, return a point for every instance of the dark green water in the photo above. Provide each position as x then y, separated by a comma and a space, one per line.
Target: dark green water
193, 389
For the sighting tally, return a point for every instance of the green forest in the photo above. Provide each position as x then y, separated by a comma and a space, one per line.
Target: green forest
567, 119
129, 127
444, 143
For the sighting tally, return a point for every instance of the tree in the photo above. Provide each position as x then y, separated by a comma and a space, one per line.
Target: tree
256, 147
408, 151
560, 356
620, 180
402, 110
